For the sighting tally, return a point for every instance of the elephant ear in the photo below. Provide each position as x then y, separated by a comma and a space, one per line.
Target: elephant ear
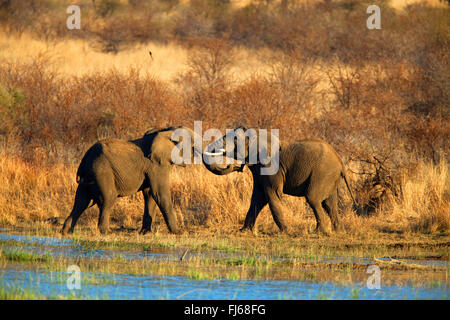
263, 148
183, 147
249, 151
158, 145
151, 131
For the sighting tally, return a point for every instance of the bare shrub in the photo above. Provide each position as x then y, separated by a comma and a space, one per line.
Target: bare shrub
209, 61
205, 84
106, 7
345, 85
67, 114
378, 187
296, 76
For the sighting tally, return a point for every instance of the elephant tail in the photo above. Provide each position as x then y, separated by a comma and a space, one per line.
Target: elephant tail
344, 176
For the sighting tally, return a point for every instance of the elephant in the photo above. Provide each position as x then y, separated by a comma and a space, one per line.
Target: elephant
308, 168
114, 168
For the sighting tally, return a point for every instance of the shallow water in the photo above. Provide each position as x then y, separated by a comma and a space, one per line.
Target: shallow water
68, 248
57, 247
125, 286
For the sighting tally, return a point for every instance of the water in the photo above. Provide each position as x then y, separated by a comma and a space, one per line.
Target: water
123, 286
56, 247
52, 284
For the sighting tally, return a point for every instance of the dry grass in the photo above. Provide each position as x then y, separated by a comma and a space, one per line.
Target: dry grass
30, 194
77, 57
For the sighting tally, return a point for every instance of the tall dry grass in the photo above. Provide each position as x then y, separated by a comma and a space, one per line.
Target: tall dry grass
31, 195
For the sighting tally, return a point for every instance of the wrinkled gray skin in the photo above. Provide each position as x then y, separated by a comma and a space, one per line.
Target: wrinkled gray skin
307, 168
114, 168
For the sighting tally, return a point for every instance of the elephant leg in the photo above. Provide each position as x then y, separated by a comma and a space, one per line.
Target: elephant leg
330, 205
105, 208
258, 202
277, 208
160, 190
107, 198
149, 212
82, 201
314, 197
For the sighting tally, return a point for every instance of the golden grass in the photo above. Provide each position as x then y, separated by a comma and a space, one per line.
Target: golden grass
29, 194
402, 4
425, 201
77, 57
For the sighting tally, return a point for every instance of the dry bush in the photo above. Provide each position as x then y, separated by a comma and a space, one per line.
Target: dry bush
17, 15
378, 186
118, 32
198, 18
295, 74
209, 62
205, 84
66, 115
345, 86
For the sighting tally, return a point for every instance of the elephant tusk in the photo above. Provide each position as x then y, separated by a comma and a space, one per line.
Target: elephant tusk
212, 154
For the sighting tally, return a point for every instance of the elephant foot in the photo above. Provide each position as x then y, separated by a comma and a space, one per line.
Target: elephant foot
248, 229
175, 229
285, 231
244, 229
66, 232
104, 230
145, 230
66, 229
322, 230
338, 228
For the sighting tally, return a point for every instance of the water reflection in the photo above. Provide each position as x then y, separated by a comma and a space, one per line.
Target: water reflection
52, 284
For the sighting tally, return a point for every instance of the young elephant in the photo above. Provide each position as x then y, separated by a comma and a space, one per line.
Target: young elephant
115, 168
307, 168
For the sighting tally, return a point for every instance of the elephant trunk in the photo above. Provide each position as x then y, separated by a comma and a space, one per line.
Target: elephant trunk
216, 169
211, 165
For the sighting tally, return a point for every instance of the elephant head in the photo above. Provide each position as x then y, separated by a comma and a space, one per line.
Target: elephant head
240, 147
172, 145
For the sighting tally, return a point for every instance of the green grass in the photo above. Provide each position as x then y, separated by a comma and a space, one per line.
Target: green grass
247, 261
311, 275
261, 257
355, 293
199, 275
17, 293
19, 255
